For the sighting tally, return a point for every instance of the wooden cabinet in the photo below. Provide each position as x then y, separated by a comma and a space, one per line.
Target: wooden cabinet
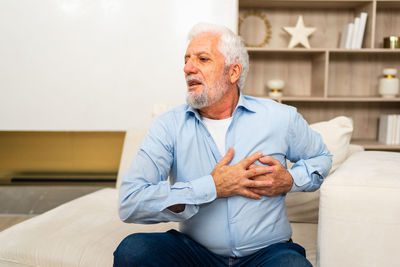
325, 81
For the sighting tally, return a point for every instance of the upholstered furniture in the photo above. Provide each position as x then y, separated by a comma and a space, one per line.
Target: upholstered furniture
359, 213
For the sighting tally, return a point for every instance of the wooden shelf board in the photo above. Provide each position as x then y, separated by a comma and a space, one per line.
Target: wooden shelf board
286, 50
374, 144
323, 50
365, 50
334, 99
299, 3
388, 4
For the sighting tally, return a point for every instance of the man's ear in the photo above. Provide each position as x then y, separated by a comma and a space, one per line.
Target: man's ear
234, 72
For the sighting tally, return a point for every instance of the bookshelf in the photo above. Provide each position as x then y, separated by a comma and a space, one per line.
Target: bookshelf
325, 81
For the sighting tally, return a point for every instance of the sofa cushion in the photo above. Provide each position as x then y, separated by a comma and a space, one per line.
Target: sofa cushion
336, 133
83, 232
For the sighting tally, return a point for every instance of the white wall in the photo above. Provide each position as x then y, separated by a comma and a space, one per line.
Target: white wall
95, 64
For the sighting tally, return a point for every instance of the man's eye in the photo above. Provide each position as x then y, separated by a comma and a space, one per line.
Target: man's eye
204, 59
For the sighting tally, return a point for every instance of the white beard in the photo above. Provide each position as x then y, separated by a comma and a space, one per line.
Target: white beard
220, 88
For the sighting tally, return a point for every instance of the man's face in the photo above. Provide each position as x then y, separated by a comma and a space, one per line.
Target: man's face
204, 71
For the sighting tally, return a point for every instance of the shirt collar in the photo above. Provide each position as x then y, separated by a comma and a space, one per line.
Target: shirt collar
242, 103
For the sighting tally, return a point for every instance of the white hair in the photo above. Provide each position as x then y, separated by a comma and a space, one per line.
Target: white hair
230, 45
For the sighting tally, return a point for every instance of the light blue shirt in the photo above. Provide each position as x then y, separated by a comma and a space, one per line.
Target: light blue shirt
179, 145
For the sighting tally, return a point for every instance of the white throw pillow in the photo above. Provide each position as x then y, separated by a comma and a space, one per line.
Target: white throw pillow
336, 133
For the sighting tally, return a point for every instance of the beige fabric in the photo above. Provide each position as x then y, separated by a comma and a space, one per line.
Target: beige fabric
83, 232
336, 133
354, 149
303, 206
132, 142
359, 219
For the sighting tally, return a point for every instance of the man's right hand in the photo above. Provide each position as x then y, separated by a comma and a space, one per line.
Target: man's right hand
235, 179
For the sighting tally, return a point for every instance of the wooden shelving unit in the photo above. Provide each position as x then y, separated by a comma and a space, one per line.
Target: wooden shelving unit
325, 81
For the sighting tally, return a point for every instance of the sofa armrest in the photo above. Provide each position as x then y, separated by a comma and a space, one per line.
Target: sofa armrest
359, 214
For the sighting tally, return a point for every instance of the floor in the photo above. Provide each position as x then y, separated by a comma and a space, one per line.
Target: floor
19, 203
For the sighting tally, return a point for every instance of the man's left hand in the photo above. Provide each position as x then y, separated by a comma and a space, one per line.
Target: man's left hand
281, 179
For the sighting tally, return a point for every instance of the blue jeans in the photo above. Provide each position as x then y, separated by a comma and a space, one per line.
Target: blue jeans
176, 249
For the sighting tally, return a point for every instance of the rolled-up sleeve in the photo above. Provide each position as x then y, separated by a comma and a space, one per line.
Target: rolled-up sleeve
145, 192
312, 160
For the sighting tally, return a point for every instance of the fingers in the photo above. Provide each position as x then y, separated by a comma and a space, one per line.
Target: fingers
246, 162
252, 166
258, 184
269, 160
258, 170
258, 191
250, 194
227, 158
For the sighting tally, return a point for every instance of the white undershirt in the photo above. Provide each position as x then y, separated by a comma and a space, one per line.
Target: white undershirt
217, 129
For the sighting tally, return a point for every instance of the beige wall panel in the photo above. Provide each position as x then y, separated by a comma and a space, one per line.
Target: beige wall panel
318, 75
294, 68
358, 74
387, 22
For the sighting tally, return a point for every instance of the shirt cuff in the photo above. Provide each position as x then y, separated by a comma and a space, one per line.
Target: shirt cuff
187, 213
204, 190
301, 177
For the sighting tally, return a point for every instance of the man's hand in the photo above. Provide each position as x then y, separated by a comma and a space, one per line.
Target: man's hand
280, 179
236, 179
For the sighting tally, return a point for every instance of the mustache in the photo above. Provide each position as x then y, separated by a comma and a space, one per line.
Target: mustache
193, 77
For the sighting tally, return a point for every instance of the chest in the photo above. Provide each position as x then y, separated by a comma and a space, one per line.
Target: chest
196, 152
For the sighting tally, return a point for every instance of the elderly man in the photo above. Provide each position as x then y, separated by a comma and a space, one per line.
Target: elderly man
226, 156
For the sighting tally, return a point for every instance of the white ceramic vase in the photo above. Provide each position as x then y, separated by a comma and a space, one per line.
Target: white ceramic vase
389, 84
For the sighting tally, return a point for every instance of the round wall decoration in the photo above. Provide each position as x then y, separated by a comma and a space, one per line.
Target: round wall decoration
254, 28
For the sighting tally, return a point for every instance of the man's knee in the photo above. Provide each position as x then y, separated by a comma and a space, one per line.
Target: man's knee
134, 249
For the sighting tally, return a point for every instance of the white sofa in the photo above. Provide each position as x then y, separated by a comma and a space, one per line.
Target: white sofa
359, 214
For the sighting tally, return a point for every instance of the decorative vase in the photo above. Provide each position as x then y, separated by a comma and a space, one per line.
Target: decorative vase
389, 84
275, 88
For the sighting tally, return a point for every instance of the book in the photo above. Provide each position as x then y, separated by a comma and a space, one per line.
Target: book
389, 129
349, 35
383, 125
393, 121
361, 29
398, 131
343, 36
354, 35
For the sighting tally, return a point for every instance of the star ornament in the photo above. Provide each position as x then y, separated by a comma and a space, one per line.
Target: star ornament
299, 33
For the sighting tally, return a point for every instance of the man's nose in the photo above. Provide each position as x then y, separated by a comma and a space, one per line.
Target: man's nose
189, 68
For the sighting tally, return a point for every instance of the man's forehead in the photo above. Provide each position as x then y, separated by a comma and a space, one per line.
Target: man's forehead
205, 42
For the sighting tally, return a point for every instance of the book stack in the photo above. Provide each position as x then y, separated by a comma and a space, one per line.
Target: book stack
389, 129
353, 33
